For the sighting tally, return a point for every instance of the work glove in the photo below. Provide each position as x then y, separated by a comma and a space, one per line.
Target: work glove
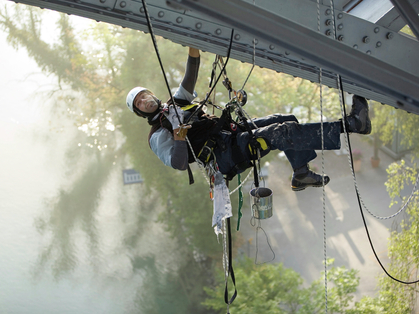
173, 118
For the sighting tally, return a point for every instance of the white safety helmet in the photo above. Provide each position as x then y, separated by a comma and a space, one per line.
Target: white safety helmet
131, 96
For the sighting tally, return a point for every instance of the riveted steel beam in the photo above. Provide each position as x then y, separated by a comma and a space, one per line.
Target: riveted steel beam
330, 54
409, 15
195, 28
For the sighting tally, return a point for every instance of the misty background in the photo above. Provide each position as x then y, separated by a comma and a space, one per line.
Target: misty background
75, 239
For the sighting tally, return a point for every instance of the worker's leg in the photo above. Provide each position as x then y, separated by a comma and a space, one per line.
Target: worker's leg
298, 141
272, 119
296, 159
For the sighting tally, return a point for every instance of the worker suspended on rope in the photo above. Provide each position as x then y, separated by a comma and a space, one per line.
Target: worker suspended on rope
228, 142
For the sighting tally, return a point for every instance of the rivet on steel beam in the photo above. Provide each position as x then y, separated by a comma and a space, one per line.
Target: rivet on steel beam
389, 35
340, 38
102, 1
198, 25
237, 37
366, 40
368, 52
409, 100
376, 30
328, 22
123, 4
328, 12
287, 53
328, 32
340, 15
378, 44
142, 9
179, 20
272, 47
340, 26
161, 14
355, 46
218, 31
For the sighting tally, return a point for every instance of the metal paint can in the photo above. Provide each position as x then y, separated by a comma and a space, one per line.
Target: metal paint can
261, 203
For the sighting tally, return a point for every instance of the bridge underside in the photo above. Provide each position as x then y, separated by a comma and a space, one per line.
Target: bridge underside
373, 58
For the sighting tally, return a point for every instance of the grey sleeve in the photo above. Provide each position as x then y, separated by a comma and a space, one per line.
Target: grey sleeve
180, 155
191, 74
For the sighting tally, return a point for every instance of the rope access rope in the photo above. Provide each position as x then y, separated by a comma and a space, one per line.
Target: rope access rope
323, 187
253, 59
348, 145
153, 38
218, 78
150, 28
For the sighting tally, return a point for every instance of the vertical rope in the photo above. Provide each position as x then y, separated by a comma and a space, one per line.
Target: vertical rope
324, 193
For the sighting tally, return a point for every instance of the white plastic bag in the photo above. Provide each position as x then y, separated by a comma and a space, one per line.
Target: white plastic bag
222, 203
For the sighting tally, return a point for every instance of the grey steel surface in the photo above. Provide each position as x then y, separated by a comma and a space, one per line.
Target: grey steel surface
409, 14
374, 60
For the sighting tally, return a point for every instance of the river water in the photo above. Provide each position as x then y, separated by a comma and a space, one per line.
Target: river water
32, 171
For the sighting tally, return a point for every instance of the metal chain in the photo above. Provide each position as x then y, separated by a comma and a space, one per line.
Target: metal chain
396, 213
346, 136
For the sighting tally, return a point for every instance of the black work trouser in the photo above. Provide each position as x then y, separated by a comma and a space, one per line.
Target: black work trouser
283, 132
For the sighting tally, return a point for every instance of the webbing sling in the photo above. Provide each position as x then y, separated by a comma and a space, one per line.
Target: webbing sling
230, 268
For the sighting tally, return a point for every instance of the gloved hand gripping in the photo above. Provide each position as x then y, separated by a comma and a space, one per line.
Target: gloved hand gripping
175, 119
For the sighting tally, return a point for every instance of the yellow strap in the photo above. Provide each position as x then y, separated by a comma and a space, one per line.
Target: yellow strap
185, 108
262, 143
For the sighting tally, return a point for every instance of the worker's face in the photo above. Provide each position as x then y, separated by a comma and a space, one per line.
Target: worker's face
145, 102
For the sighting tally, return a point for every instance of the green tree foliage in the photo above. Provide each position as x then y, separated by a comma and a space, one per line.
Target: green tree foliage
403, 248
94, 70
388, 121
403, 251
274, 289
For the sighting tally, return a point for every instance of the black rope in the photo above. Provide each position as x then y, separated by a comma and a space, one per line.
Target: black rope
230, 267
218, 78
362, 212
153, 38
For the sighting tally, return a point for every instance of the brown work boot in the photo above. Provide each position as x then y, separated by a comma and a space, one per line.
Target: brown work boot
303, 177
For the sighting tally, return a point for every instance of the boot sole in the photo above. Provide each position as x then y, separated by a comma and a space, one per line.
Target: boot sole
301, 188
